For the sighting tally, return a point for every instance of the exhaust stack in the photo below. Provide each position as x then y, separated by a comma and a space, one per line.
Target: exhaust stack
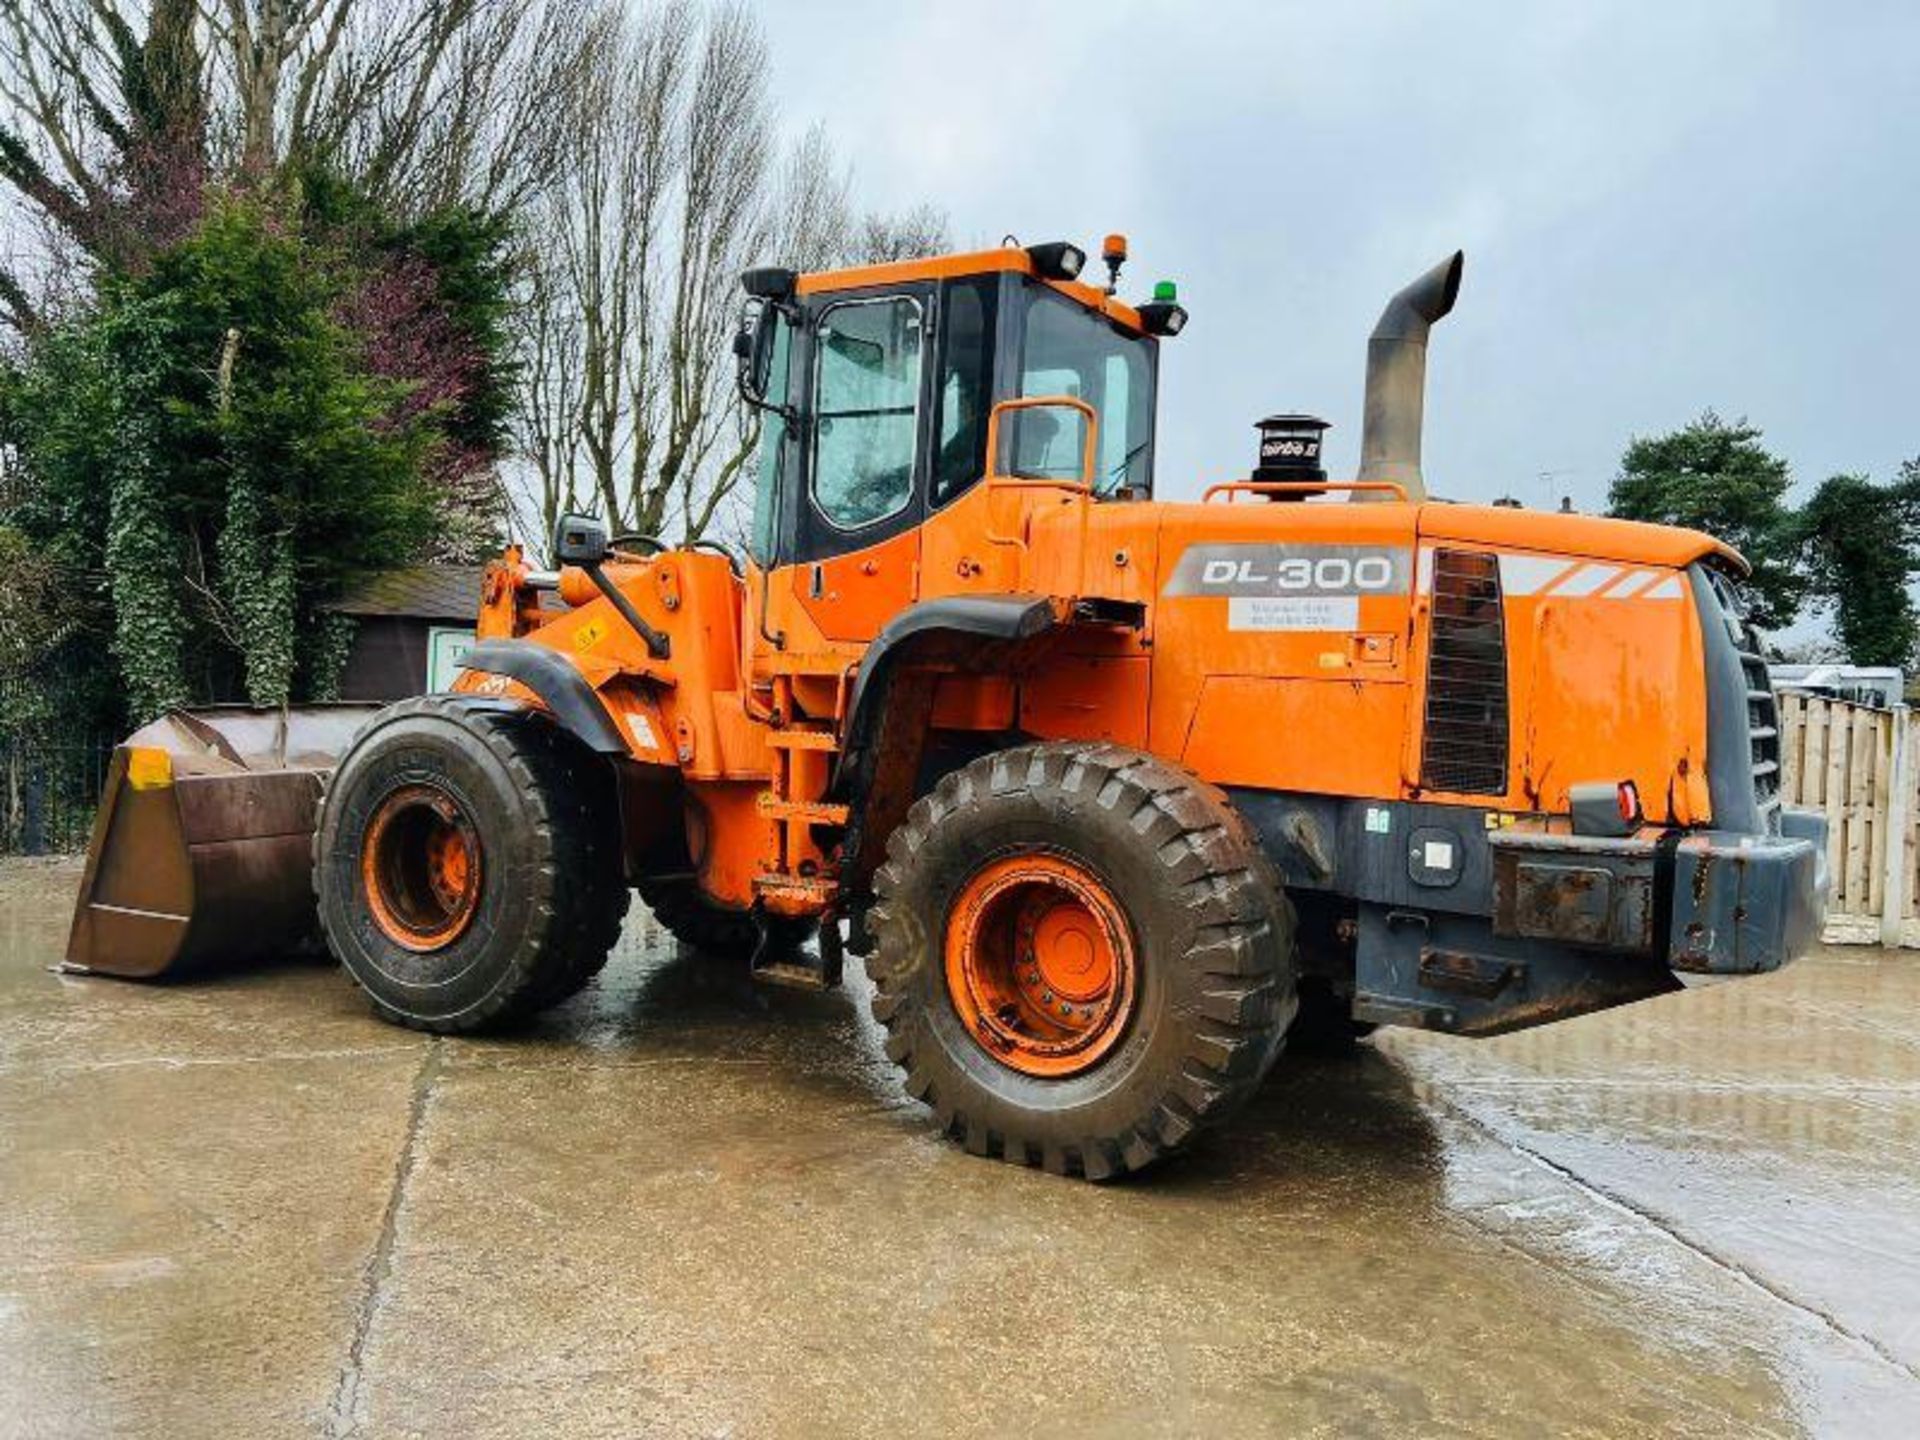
1397, 379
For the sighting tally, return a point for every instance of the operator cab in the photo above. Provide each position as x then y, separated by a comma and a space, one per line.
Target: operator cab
875, 389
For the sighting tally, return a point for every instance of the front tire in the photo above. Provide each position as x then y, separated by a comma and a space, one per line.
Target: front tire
468, 864
1081, 957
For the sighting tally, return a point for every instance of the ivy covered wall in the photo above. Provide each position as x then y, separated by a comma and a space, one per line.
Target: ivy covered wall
200, 456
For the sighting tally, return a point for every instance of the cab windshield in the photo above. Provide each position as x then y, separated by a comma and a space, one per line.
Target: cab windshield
1069, 350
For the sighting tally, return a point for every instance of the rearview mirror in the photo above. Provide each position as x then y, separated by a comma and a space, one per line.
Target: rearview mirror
753, 350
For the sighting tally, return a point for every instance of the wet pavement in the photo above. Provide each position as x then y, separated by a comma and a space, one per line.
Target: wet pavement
684, 1206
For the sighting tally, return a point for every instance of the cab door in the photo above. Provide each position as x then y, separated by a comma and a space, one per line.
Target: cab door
856, 551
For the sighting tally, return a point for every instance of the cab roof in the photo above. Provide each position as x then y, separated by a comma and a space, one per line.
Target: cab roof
973, 262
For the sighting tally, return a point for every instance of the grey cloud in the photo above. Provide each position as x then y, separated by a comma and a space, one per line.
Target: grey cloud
1664, 207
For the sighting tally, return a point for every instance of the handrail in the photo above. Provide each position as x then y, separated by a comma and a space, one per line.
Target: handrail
1088, 458
1299, 487
1082, 487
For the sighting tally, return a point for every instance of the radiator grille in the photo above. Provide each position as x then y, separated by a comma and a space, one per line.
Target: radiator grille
1464, 742
1763, 708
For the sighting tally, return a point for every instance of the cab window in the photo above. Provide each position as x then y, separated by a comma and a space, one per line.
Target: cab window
866, 404
966, 384
1069, 350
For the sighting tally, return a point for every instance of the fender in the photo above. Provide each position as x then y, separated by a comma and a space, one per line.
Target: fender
559, 684
991, 617
875, 774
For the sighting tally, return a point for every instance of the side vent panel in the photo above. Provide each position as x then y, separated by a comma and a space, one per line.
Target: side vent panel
1464, 743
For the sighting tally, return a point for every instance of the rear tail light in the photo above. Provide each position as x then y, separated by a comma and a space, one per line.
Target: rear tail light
1605, 807
1628, 796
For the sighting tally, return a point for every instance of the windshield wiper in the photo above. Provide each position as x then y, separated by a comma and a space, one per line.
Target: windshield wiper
1126, 463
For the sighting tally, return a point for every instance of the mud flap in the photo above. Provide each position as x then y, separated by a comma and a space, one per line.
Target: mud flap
202, 848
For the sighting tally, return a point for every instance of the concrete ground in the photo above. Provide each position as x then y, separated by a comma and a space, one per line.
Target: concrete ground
682, 1207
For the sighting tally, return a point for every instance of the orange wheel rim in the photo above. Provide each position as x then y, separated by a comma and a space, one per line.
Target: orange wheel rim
420, 868
1040, 964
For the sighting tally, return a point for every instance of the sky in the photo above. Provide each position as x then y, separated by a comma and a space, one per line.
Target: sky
1665, 207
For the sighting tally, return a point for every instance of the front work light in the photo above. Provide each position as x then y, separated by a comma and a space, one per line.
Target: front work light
1163, 314
1057, 259
770, 282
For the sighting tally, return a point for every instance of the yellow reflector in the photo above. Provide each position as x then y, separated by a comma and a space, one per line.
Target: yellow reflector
149, 768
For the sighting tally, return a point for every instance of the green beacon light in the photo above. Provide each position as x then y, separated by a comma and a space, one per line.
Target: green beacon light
1163, 315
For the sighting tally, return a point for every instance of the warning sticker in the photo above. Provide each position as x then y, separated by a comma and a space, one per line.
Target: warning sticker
1293, 612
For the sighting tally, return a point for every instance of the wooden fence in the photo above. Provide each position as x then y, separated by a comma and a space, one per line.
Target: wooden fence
1860, 767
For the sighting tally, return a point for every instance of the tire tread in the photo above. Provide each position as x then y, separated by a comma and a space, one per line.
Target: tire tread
580, 896
1215, 869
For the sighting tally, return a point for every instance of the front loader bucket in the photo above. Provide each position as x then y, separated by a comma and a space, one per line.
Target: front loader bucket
202, 848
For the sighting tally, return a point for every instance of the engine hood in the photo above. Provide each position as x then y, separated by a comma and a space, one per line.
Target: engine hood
1591, 536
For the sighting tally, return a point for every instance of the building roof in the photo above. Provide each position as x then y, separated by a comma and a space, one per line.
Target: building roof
417, 592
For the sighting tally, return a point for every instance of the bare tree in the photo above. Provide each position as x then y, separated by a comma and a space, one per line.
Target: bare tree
667, 186
427, 104
881, 236
637, 143
655, 203
114, 114
102, 129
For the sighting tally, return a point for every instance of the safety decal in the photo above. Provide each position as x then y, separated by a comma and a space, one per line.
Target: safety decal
1293, 612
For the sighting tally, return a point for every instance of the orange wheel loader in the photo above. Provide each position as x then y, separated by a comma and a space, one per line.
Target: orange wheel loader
1106, 789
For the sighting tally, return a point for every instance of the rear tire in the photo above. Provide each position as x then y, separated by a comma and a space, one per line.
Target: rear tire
1162, 882
468, 864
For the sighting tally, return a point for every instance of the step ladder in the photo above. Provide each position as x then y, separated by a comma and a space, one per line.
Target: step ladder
791, 884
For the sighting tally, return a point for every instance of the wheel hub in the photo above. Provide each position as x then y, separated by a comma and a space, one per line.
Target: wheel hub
1040, 963
420, 868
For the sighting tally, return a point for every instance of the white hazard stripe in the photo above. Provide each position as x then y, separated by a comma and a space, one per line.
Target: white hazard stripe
1530, 574
1584, 580
1569, 579
1630, 584
1572, 579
